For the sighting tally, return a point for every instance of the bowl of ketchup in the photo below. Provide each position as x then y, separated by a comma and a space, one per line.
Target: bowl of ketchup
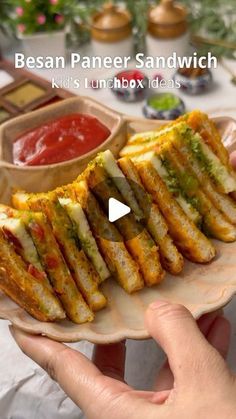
52, 145
62, 139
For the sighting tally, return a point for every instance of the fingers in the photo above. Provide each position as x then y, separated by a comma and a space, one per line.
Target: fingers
160, 397
174, 328
219, 335
110, 359
74, 372
206, 321
165, 377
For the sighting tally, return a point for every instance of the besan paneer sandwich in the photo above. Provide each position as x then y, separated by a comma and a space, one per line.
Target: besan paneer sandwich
58, 248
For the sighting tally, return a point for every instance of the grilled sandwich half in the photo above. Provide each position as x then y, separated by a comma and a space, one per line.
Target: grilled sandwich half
52, 261
82, 270
215, 223
195, 147
85, 236
171, 258
109, 239
137, 239
192, 243
20, 279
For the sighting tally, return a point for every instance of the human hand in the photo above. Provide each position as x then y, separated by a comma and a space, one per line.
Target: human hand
202, 384
194, 383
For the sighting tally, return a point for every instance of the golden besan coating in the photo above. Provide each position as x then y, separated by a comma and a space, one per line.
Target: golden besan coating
138, 241
54, 264
27, 291
134, 257
188, 238
171, 258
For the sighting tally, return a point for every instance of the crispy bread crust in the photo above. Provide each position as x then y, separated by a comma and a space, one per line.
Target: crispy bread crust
119, 261
171, 258
137, 240
24, 289
192, 243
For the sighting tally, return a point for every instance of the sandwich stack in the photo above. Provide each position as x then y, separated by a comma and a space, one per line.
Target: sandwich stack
57, 248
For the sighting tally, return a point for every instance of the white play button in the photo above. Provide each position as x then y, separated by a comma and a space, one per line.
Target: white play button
116, 210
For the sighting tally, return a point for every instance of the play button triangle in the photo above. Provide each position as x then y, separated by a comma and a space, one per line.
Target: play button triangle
116, 210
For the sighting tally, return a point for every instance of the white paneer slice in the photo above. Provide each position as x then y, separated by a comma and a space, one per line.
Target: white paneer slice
144, 141
147, 136
110, 165
189, 210
17, 229
130, 150
219, 172
88, 243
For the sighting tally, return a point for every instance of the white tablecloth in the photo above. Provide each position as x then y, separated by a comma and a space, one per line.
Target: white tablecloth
26, 392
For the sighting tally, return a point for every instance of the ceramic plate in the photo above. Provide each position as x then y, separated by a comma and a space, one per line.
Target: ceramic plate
201, 288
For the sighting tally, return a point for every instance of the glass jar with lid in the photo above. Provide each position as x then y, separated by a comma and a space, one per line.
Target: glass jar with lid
167, 29
111, 32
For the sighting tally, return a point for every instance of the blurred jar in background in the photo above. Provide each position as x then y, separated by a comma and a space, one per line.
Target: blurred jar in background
111, 32
167, 30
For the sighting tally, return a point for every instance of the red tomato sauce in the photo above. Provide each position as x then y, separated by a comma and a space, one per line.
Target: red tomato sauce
60, 140
131, 75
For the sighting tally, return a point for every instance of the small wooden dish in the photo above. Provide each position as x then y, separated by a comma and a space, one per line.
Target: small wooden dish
44, 178
201, 288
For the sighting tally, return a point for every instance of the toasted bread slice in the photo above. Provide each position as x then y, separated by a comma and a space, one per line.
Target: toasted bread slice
83, 272
107, 161
109, 240
221, 174
198, 121
138, 241
212, 202
201, 123
222, 202
223, 179
214, 222
172, 184
188, 238
15, 232
27, 291
57, 269
54, 264
144, 141
171, 258
86, 239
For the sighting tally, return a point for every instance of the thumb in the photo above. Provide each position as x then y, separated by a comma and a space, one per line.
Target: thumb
174, 328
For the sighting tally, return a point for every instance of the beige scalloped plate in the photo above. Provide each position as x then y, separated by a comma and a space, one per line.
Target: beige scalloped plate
201, 288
